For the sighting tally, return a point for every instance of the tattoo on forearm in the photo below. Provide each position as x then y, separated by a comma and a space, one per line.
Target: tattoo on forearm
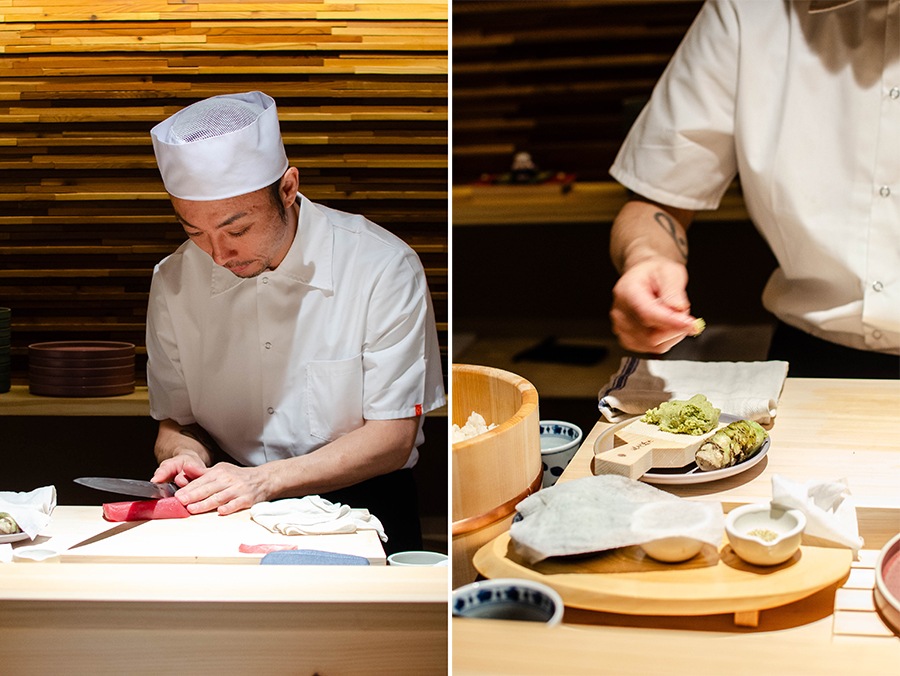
667, 223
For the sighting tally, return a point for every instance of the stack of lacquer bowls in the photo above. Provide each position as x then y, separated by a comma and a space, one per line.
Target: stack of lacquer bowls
81, 368
5, 333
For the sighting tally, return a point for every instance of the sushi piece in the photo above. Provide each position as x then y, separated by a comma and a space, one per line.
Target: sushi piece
142, 510
732, 444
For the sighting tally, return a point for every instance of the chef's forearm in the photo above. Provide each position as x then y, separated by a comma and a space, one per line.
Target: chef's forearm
645, 229
173, 439
378, 447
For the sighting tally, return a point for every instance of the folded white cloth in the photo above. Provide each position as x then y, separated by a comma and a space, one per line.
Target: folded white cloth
314, 515
598, 513
31, 509
829, 509
748, 390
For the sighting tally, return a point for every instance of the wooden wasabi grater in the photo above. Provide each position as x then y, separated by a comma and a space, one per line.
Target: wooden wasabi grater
639, 447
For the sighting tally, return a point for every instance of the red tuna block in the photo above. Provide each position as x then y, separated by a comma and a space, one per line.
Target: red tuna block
142, 510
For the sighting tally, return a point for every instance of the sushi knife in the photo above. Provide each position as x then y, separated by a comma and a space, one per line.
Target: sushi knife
134, 487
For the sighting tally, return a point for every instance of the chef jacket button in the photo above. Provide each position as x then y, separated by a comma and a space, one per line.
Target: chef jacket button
270, 410
894, 93
877, 286
268, 346
876, 334
884, 191
265, 280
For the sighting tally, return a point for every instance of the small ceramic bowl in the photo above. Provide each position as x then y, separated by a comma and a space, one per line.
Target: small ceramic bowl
35, 554
417, 558
559, 442
509, 599
674, 549
887, 583
763, 534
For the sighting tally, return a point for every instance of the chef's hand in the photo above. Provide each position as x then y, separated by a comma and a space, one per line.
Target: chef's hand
650, 311
223, 487
180, 468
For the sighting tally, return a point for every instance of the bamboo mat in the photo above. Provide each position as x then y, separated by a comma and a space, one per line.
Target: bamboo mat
855, 615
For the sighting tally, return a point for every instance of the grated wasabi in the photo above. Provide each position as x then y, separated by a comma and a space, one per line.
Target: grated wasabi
695, 416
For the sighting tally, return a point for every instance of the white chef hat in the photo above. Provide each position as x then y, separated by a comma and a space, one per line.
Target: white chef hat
220, 147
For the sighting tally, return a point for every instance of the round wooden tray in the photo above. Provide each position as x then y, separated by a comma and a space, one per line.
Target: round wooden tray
81, 349
715, 581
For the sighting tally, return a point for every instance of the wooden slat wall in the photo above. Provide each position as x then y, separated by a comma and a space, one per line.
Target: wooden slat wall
564, 81
561, 80
362, 94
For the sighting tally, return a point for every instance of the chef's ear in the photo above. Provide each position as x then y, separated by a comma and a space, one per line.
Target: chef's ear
290, 184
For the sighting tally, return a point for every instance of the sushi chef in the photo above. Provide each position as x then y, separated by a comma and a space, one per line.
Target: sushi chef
291, 347
802, 101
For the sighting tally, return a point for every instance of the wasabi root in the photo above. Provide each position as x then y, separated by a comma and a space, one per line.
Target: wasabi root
732, 444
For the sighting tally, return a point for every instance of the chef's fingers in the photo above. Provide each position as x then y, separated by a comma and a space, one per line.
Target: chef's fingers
650, 311
654, 331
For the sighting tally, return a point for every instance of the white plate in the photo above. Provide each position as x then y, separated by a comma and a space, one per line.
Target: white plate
14, 537
689, 474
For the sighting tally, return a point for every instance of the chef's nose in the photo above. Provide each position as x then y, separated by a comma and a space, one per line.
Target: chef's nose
219, 250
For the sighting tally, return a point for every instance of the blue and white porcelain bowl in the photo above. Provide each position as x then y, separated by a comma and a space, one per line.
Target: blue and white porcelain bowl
559, 442
509, 599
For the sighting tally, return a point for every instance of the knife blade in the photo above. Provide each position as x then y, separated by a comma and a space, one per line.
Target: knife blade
135, 487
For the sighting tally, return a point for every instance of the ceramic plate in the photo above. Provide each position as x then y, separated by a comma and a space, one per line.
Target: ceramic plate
14, 537
689, 474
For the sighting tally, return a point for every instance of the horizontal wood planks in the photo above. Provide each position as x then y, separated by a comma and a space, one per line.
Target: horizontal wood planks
563, 85
362, 97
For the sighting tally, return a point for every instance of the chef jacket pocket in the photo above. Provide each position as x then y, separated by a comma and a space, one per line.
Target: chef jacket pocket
334, 393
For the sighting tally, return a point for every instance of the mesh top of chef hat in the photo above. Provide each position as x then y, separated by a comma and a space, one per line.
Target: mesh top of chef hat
220, 147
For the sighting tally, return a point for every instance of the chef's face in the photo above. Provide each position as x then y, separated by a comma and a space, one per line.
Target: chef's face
247, 234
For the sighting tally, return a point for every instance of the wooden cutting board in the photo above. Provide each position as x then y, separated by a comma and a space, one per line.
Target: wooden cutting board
626, 581
201, 538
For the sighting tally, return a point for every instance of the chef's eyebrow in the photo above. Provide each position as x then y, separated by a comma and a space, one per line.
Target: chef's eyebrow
228, 221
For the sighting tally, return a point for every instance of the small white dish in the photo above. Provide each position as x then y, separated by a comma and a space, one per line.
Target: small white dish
763, 534
509, 599
36, 554
417, 558
673, 549
689, 474
13, 537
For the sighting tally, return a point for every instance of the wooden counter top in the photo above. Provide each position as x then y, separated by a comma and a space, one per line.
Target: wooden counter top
175, 596
824, 429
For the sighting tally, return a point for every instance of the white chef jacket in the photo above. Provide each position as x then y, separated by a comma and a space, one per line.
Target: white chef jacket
278, 365
806, 108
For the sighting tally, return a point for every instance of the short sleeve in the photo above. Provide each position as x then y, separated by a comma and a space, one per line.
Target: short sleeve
680, 150
401, 367
165, 381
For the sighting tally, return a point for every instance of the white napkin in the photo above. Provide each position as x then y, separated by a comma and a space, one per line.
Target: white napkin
603, 512
829, 509
31, 509
748, 389
314, 515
